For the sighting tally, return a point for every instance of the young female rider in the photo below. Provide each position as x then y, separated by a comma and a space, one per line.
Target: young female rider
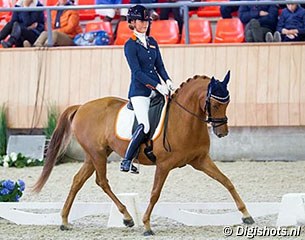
145, 62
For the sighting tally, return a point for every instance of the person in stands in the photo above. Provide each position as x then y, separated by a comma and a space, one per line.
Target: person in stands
258, 20
23, 26
146, 64
65, 26
291, 23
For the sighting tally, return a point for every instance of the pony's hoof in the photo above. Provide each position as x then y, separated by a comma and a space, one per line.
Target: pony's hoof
128, 223
148, 233
248, 220
64, 228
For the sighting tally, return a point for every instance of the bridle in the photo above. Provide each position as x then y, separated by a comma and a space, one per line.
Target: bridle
215, 122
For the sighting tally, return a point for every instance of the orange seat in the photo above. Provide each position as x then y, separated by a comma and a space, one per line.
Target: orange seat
5, 15
51, 2
200, 31
123, 33
210, 11
101, 25
229, 30
87, 14
165, 31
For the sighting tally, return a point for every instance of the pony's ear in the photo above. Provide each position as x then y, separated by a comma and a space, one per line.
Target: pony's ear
213, 80
227, 78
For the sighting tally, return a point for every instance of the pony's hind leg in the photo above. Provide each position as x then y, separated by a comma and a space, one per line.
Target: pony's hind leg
102, 181
208, 166
79, 179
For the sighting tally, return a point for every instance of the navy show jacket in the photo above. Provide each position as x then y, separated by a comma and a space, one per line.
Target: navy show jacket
145, 65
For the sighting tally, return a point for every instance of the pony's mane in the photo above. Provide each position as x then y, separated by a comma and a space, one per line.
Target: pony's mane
188, 82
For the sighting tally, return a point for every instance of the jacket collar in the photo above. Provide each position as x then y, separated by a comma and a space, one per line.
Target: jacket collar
134, 37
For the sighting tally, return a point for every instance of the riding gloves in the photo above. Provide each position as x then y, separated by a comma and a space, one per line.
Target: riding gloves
170, 85
163, 89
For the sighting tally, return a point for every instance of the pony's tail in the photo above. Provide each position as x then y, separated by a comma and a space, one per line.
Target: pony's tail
58, 142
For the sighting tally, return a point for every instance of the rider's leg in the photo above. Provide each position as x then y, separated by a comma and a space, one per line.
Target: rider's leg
141, 107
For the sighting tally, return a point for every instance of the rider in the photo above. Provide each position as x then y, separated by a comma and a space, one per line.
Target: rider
145, 62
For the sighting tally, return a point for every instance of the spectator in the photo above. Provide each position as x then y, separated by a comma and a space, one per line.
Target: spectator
110, 13
227, 11
65, 26
165, 12
23, 25
291, 23
259, 19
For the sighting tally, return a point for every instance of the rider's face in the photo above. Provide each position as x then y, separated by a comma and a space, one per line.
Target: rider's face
141, 26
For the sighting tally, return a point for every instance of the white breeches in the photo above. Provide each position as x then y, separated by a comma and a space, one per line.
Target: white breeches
141, 106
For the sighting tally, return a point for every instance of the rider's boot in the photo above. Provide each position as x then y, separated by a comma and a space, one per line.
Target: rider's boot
135, 142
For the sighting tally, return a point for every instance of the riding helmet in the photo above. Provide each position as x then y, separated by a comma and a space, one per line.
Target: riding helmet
138, 12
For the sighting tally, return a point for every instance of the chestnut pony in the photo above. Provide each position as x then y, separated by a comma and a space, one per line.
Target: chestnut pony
199, 101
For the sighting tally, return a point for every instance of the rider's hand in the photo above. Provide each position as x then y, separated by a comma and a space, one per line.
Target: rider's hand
170, 85
162, 89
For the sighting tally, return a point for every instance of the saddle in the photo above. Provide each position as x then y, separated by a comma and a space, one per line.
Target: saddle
154, 115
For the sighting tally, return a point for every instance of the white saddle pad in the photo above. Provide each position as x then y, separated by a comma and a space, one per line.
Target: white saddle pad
125, 120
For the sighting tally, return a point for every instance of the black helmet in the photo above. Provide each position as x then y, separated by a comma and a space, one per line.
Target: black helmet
138, 12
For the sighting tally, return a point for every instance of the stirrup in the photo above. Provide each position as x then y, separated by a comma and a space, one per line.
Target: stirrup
134, 169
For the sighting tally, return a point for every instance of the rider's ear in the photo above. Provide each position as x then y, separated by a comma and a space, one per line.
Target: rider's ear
227, 78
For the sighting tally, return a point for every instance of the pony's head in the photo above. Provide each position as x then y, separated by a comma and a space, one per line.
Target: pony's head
217, 100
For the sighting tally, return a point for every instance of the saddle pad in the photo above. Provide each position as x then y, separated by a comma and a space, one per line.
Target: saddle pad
125, 120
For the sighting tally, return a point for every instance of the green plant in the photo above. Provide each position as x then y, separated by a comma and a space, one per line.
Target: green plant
3, 130
50, 125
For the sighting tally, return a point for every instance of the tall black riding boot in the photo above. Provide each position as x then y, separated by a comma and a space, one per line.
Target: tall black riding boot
15, 34
137, 138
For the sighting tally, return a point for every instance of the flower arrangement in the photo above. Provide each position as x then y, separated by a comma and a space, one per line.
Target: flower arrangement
19, 161
11, 191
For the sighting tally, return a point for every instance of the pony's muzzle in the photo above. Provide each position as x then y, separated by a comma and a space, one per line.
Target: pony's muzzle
221, 131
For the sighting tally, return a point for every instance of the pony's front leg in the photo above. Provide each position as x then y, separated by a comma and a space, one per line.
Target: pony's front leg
208, 166
160, 177
102, 181
78, 181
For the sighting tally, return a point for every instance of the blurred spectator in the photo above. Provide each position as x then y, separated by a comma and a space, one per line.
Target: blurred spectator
259, 20
291, 23
23, 25
65, 26
226, 11
177, 13
110, 13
